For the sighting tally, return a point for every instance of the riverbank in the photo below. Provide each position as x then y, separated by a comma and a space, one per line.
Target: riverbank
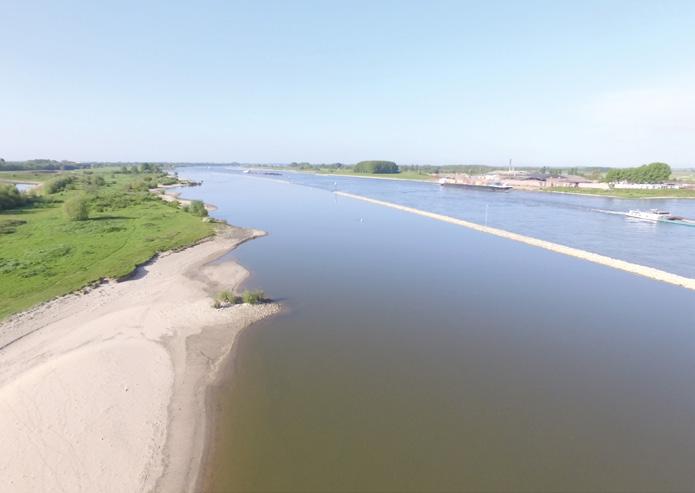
165, 193
104, 391
631, 194
589, 192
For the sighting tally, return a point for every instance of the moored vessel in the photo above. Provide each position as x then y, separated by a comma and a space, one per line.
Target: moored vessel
494, 187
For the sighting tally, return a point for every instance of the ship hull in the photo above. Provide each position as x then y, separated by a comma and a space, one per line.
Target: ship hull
488, 188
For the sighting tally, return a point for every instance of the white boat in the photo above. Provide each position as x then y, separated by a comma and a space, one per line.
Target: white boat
652, 215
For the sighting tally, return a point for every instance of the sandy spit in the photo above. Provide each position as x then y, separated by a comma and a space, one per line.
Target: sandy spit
105, 390
167, 195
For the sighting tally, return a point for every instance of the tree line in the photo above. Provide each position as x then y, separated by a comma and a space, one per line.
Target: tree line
648, 173
376, 167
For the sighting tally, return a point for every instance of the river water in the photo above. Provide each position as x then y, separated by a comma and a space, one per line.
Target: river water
416, 355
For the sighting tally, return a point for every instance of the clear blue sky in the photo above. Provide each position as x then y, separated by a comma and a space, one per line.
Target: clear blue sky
416, 82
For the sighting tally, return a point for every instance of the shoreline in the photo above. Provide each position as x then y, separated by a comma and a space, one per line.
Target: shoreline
166, 195
514, 189
152, 348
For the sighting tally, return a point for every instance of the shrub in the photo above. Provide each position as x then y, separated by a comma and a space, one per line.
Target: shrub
168, 180
58, 184
91, 183
76, 208
138, 186
228, 297
253, 297
10, 197
197, 208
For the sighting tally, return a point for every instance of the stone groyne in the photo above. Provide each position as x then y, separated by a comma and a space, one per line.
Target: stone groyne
638, 269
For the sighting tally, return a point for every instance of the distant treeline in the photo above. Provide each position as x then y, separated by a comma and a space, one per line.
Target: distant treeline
649, 173
53, 165
40, 164
428, 169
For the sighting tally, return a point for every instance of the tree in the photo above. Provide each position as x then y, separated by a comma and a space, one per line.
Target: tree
648, 173
76, 208
376, 167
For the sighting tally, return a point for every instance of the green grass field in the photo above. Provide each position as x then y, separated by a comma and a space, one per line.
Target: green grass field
628, 194
44, 255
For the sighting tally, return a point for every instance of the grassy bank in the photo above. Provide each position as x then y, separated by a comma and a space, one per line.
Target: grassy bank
44, 254
627, 193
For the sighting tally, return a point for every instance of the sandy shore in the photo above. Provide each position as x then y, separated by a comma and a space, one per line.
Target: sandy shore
164, 192
105, 390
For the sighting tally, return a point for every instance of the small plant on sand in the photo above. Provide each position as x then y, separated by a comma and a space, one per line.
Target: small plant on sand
228, 297
253, 297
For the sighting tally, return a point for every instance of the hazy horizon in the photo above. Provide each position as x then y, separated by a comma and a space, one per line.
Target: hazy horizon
544, 83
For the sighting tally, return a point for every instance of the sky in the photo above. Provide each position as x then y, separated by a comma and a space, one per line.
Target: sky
430, 82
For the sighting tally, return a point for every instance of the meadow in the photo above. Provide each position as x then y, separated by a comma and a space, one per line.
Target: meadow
44, 253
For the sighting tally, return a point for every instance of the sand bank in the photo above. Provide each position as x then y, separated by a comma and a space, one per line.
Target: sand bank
638, 269
104, 391
164, 192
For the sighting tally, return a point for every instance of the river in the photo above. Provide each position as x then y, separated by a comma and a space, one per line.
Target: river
415, 355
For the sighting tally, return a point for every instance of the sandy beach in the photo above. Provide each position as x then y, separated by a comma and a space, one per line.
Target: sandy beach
104, 390
164, 192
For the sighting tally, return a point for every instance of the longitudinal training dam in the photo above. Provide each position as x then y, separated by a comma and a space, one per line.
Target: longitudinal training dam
633, 268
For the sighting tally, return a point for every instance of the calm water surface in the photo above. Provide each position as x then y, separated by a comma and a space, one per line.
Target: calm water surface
421, 356
25, 187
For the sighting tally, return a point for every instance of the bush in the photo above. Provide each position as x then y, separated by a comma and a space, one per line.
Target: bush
10, 197
228, 297
91, 183
138, 186
376, 167
76, 208
168, 180
197, 208
253, 297
58, 184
